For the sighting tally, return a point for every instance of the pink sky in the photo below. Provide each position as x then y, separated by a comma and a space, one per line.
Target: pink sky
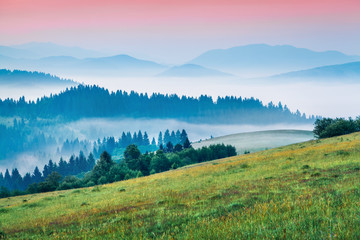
191, 26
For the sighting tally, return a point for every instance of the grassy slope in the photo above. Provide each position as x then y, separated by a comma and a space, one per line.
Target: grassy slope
261, 140
303, 191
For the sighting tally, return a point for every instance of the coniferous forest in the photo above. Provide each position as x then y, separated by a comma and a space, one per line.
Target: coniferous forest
29, 130
134, 164
93, 101
167, 142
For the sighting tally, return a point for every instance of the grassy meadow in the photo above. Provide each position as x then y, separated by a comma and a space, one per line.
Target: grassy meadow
307, 190
260, 140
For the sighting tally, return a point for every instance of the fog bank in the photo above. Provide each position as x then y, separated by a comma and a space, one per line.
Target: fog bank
329, 99
94, 128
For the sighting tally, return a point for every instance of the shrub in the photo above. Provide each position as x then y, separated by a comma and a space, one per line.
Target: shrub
328, 127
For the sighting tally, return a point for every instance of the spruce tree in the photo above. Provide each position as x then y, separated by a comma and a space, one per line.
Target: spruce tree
124, 140
17, 181
36, 176
160, 139
167, 137
71, 166
46, 172
134, 139
82, 162
51, 167
1, 179
129, 139
62, 167
27, 180
183, 136
140, 139
173, 138
102, 167
146, 141
187, 143
178, 136
7, 179
90, 162
131, 156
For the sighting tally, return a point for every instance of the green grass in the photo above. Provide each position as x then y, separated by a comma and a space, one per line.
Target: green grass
303, 191
258, 141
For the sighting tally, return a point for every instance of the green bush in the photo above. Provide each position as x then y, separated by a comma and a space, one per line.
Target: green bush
327, 127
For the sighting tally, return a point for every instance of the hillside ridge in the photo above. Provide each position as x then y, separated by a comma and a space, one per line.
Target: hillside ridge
296, 190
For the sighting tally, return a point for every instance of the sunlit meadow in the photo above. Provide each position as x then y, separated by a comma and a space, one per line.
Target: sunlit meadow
309, 190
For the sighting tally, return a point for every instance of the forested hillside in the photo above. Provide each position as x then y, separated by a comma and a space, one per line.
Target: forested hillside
93, 101
12, 179
16, 77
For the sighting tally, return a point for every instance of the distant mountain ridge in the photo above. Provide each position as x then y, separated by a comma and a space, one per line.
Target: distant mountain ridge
122, 61
25, 78
342, 71
192, 70
123, 65
255, 60
11, 52
265, 59
35, 50
58, 59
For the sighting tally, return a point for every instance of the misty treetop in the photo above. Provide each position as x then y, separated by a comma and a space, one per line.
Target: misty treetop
173, 137
80, 164
21, 137
110, 144
69, 147
93, 101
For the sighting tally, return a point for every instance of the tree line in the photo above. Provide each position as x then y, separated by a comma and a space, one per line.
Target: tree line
328, 127
93, 101
29, 77
135, 164
33, 135
79, 164
139, 139
74, 166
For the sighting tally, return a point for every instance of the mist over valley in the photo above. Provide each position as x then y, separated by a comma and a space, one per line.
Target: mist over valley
154, 119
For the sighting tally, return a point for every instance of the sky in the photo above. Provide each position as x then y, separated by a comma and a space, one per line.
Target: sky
173, 31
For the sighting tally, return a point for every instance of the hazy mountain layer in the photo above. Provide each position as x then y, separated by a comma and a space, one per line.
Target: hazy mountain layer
262, 59
339, 72
192, 70
46, 49
120, 65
